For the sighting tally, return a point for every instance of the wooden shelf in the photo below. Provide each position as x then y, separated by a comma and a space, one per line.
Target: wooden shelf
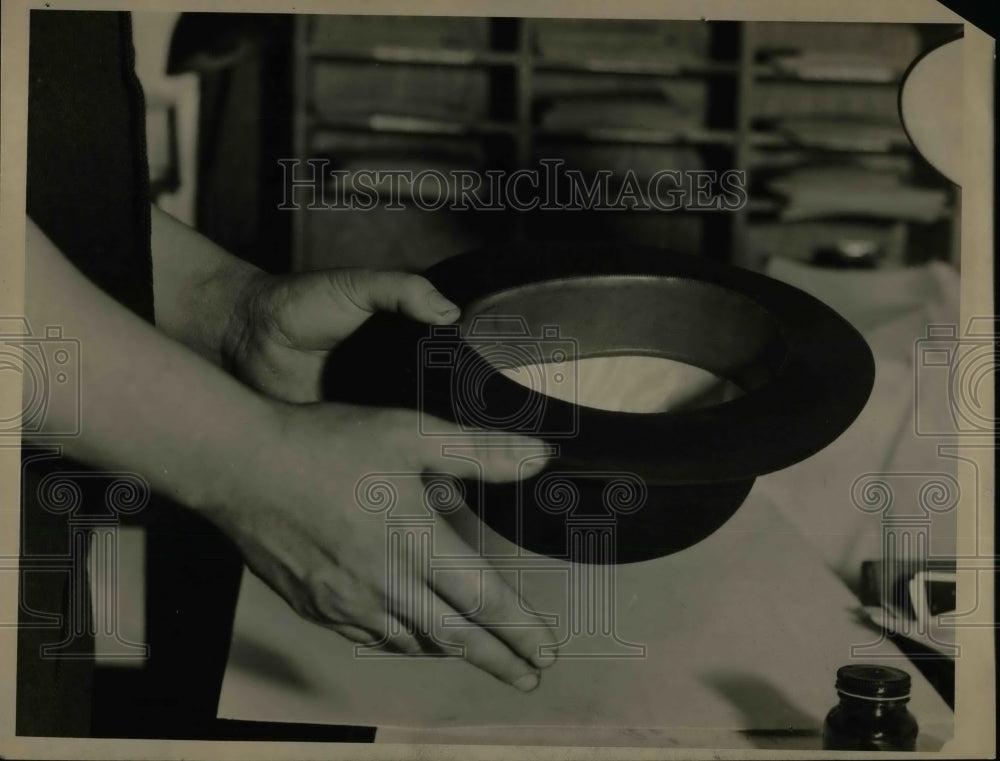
770, 141
408, 125
729, 134
693, 136
764, 73
650, 68
443, 57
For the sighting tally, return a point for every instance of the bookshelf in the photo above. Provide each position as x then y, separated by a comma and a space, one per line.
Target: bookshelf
763, 98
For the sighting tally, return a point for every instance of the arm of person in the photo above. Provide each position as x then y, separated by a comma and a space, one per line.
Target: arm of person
278, 478
272, 332
147, 403
197, 285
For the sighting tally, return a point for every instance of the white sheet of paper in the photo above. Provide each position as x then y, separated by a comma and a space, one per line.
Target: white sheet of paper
743, 631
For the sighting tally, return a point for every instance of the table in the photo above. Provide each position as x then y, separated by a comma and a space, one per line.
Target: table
742, 636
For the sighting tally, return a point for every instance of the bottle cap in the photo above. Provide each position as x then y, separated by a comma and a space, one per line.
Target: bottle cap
872, 682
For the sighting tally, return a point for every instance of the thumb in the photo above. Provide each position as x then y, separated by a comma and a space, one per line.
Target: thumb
318, 309
402, 292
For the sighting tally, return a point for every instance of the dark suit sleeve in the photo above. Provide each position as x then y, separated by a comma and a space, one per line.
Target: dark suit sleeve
87, 190
88, 184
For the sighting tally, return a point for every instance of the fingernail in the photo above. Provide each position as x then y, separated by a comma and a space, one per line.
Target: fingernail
532, 461
543, 661
529, 445
527, 683
440, 304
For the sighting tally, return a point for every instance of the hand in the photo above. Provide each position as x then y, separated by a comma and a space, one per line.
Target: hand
295, 516
283, 328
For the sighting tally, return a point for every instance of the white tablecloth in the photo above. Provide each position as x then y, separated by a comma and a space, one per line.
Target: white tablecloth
744, 631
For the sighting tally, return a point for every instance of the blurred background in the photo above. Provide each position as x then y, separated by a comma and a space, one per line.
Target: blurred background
808, 111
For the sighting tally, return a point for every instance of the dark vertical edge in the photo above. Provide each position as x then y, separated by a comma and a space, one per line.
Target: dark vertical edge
276, 142
524, 148
718, 232
299, 127
742, 152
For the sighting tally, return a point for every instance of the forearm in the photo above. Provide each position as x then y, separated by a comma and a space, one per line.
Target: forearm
197, 285
148, 404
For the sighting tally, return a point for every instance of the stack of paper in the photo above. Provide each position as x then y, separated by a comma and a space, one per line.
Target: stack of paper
844, 133
823, 65
894, 44
849, 191
430, 92
774, 99
333, 33
622, 40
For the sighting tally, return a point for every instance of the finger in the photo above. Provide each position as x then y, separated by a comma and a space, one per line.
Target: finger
353, 633
481, 648
373, 625
394, 637
495, 458
485, 598
405, 293
314, 310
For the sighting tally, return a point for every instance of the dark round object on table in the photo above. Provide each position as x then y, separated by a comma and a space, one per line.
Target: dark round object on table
660, 481
872, 713
867, 681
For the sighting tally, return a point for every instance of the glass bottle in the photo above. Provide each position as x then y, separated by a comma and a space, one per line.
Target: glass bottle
872, 713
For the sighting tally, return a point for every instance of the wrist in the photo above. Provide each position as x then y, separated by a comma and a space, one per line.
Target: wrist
233, 471
198, 287
241, 306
